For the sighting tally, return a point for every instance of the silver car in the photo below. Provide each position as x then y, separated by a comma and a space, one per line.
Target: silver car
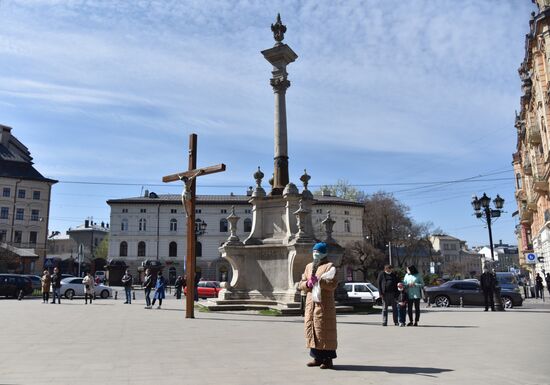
73, 287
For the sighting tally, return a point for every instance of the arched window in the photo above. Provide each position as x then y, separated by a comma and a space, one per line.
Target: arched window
124, 225
518, 181
247, 225
123, 250
173, 224
347, 226
198, 249
173, 249
223, 225
141, 249
143, 224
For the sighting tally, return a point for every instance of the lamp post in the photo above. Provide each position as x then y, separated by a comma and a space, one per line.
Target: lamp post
482, 209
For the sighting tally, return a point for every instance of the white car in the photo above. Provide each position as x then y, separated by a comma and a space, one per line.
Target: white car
73, 287
365, 291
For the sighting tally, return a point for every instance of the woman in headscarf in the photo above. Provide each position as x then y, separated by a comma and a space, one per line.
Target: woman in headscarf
319, 282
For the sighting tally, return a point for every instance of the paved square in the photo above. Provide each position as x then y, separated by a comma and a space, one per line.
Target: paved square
112, 343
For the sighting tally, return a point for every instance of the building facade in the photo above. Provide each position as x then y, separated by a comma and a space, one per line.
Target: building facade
153, 227
24, 205
454, 258
531, 160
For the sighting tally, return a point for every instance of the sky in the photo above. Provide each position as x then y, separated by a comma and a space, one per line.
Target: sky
416, 98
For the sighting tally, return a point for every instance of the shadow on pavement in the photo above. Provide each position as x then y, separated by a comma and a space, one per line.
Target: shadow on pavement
391, 369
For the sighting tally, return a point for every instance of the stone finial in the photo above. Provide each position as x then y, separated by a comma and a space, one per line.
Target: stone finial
305, 179
301, 215
272, 180
278, 30
233, 219
290, 189
328, 222
258, 191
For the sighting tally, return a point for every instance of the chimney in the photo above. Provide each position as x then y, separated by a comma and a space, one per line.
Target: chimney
86, 223
5, 135
146, 194
107, 225
102, 225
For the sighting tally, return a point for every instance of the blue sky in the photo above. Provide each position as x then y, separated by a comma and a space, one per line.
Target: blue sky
383, 92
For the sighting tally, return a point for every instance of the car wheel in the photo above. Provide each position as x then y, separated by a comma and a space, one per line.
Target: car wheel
69, 294
507, 302
105, 294
442, 301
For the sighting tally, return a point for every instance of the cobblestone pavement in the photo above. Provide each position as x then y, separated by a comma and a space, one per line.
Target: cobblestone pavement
113, 343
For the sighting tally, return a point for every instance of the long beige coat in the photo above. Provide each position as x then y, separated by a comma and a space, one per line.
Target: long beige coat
46, 282
320, 318
89, 281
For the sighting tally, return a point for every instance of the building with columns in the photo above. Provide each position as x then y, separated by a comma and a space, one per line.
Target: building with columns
531, 160
24, 207
153, 227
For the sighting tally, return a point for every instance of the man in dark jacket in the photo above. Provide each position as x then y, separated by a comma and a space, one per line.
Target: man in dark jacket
127, 282
387, 286
56, 285
488, 282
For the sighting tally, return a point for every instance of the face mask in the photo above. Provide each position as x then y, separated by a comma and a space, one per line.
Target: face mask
317, 255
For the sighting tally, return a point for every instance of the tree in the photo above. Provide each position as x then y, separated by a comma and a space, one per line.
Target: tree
102, 250
364, 257
342, 189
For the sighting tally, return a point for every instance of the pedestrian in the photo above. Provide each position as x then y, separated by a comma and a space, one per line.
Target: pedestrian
547, 278
414, 283
46, 281
159, 289
89, 287
387, 286
127, 282
539, 287
178, 286
147, 286
56, 285
198, 276
319, 282
488, 283
401, 300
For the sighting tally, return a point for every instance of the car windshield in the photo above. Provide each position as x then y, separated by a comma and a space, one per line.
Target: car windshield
372, 287
507, 279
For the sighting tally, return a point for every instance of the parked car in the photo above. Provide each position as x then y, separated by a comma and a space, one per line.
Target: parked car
36, 281
63, 276
12, 284
73, 287
366, 291
102, 275
469, 290
508, 280
206, 289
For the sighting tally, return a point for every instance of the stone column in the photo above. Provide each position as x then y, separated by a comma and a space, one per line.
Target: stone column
280, 56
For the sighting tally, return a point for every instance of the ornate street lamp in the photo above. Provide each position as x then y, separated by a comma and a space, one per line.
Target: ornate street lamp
200, 227
483, 211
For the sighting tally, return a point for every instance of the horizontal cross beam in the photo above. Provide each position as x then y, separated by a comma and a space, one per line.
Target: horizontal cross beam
194, 173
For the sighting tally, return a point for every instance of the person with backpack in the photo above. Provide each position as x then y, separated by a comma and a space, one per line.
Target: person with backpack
387, 286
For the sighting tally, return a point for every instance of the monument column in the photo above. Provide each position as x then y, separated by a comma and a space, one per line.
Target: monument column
280, 56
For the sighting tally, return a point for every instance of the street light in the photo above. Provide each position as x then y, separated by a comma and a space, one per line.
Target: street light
483, 211
200, 227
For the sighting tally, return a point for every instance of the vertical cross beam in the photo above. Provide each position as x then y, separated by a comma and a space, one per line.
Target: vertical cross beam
191, 238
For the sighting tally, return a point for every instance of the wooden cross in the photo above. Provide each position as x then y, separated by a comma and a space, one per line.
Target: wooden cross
189, 179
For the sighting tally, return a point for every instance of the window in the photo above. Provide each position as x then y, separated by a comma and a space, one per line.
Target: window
198, 249
173, 249
124, 225
141, 249
21, 193
123, 249
17, 235
247, 211
223, 211
6, 192
198, 211
518, 181
346, 212
3, 234
20, 213
32, 237
247, 225
36, 195
360, 288
319, 211
142, 210
173, 211
124, 210
173, 224
347, 226
4, 213
34, 215
223, 225
142, 224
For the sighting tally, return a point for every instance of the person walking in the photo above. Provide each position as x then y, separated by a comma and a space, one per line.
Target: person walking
488, 283
198, 277
46, 281
319, 282
89, 287
159, 289
401, 300
547, 279
178, 286
127, 280
414, 283
147, 286
539, 287
387, 286
56, 285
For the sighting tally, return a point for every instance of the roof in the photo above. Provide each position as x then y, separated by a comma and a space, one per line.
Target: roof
21, 170
220, 199
445, 237
19, 251
94, 227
